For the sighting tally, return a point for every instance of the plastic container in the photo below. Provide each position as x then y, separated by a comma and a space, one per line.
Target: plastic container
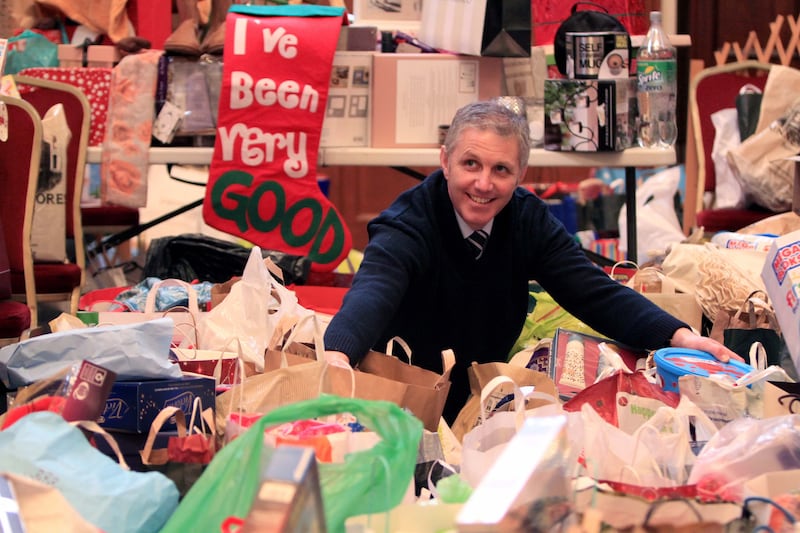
672, 363
742, 241
657, 73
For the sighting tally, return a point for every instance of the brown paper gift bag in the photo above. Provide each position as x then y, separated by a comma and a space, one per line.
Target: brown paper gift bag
377, 377
262, 393
479, 377
681, 305
425, 391
283, 352
43, 508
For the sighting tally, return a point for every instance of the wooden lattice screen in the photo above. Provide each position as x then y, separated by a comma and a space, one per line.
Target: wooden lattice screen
775, 46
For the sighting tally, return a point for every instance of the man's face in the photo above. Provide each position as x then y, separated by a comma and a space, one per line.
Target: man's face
482, 173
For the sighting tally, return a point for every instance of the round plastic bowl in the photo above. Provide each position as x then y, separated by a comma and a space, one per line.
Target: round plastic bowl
672, 363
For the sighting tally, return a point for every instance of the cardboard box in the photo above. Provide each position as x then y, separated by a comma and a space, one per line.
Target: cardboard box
347, 114
102, 56
781, 276
589, 115
796, 189
359, 38
769, 485
289, 499
70, 56
133, 405
414, 94
575, 360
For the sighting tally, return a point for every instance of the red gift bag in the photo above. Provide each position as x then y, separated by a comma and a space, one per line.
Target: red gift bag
189, 452
613, 398
548, 16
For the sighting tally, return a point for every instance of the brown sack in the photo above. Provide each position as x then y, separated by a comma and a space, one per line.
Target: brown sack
426, 391
377, 376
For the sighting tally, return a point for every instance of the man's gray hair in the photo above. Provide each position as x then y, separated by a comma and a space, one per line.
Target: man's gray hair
494, 116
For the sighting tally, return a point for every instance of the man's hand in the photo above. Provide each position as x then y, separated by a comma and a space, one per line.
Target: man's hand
337, 358
686, 338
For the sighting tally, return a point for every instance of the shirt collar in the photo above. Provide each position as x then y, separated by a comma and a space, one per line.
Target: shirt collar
466, 231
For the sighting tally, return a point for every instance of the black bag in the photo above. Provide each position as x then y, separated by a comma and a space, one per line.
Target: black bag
748, 109
192, 257
506, 29
584, 21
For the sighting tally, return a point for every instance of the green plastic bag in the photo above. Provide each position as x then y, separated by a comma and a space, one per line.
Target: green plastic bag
541, 323
369, 481
30, 49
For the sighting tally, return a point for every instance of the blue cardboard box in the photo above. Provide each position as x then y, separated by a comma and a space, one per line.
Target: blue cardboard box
133, 405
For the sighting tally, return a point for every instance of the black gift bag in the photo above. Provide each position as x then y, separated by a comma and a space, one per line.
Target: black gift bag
497, 28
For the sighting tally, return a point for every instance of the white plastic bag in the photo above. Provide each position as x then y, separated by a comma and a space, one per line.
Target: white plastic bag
251, 312
657, 225
657, 454
728, 192
483, 444
743, 449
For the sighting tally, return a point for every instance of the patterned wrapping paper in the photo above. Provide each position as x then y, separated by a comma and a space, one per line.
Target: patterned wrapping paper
95, 82
129, 127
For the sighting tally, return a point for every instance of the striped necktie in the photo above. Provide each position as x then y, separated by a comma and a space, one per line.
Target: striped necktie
477, 241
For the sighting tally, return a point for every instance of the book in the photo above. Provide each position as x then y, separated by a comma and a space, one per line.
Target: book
575, 360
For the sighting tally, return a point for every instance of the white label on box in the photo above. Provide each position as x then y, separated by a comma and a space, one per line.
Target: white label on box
429, 93
167, 122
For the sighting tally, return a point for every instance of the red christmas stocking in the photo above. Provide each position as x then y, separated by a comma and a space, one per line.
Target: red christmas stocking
263, 180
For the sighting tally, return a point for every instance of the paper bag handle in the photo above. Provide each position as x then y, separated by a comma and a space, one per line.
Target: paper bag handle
94, 427
158, 422
319, 343
150, 303
519, 398
403, 344
448, 362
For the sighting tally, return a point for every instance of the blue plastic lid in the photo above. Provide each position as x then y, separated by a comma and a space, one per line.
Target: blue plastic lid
682, 361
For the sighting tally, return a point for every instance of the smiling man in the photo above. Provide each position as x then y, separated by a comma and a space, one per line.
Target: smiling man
448, 264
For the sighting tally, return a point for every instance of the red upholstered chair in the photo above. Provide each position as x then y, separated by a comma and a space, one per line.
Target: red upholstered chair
62, 281
713, 89
15, 317
19, 170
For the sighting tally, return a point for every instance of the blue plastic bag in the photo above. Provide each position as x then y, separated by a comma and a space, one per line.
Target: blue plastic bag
45, 447
133, 351
30, 49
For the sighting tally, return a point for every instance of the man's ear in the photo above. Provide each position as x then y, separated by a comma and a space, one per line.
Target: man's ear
443, 159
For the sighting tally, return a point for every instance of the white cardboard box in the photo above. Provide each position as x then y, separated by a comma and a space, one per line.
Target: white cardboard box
781, 275
347, 114
414, 94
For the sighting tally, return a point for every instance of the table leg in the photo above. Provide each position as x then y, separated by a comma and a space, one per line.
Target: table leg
630, 208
